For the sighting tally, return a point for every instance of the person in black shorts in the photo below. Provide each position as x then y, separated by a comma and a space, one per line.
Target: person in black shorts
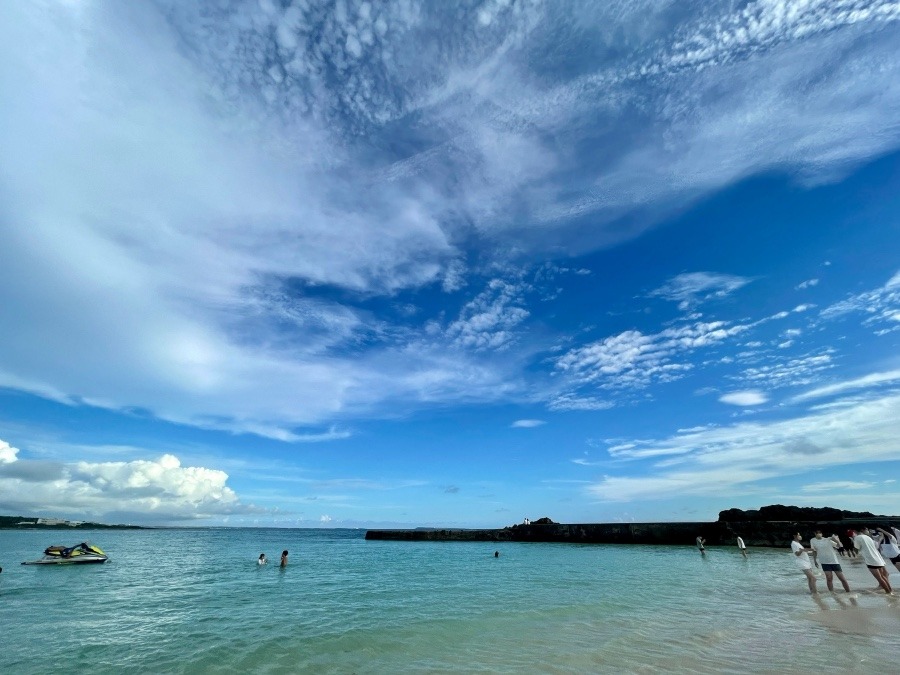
826, 557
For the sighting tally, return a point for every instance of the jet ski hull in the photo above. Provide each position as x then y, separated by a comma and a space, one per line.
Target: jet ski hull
80, 560
80, 554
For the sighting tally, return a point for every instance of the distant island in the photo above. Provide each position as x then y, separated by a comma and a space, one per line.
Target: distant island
23, 522
772, 525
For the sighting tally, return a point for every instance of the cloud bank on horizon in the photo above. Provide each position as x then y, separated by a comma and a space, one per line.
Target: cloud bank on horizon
284, 220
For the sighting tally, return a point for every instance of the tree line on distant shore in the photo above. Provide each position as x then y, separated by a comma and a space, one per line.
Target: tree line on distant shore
792, 513
22, 522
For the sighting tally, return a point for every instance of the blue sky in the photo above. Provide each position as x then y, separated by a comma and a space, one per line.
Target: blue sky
457, 264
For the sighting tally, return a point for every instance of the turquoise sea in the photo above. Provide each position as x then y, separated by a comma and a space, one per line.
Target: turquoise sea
195, 601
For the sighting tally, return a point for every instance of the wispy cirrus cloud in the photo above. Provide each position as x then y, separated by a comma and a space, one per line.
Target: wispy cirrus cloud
865, 382
200, 204
693, 288
880, 306
738, 457
527, 424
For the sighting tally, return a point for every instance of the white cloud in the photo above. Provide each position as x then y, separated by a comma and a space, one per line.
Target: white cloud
8, 454
793, 372
734, 459
489, 320
691, 289
830, 486
156, 491
880, 306
744, 398
809, 283
866, 382
325, 519
527, 424
635, 360
185, 188
576, 402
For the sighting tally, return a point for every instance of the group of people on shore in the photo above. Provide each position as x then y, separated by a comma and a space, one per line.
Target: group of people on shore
263, 560
876, 546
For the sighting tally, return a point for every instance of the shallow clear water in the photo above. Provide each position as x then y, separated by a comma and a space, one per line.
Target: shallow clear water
190, 601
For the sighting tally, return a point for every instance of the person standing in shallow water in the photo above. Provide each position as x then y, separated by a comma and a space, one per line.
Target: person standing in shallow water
700, 542
284, 555
742, 546
870, 555
801, 558
262, 559
826, 556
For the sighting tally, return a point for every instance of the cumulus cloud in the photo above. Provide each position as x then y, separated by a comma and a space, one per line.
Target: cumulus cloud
527, 424
8, 454
738, 458
744, 398
154, 491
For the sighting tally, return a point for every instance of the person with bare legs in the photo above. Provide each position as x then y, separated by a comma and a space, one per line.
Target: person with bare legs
742, 546
700, 542
826, 556
889, 548
801, 558
870, 555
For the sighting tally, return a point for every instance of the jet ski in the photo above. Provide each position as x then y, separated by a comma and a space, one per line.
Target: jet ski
80, 554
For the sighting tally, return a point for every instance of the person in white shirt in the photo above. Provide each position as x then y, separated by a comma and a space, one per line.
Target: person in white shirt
867, 549
801, 558
262, 559
826, 556
742, 546
700, 542
889, 548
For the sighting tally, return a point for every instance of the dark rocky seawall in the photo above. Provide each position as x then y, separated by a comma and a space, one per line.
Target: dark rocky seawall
754, 533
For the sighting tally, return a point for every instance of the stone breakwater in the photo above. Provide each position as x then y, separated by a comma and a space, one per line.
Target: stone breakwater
754, 533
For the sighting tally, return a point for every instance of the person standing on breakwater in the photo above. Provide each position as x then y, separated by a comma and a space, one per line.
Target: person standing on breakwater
870, 555
700, 542
826, 556
742, 546
801, 558
284, 555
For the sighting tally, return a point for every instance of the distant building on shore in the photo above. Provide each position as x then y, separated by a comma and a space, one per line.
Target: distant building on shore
56, 522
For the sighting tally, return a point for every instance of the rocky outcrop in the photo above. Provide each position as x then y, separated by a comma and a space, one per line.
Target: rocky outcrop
754, 533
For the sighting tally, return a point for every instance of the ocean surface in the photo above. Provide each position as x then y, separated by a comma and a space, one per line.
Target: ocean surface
195, 601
